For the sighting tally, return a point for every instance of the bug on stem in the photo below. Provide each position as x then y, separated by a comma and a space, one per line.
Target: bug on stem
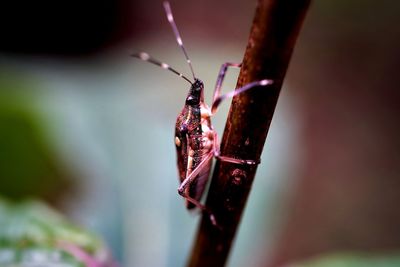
196, 140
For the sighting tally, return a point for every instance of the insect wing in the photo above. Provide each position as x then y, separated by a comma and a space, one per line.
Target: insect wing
182, 142
198, 186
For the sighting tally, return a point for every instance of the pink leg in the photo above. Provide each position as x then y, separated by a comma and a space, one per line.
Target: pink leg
217, 101
182, 189
221, 77
190, 178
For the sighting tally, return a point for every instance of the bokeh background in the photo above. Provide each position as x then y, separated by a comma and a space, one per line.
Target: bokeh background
89, 130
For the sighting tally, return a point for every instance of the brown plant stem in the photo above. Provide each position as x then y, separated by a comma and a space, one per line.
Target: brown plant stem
273, 34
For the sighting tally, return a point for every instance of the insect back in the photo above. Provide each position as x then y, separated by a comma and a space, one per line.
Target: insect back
190, 142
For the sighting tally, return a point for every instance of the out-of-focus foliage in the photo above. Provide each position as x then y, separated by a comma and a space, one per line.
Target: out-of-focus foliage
32, 234
352, 260
28, 166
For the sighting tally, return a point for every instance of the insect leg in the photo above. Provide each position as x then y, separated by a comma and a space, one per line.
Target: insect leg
192, 176
182, 189
217, 154
217, 101
221, 76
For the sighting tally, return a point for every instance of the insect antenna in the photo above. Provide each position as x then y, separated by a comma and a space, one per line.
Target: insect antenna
170, 18
146, 57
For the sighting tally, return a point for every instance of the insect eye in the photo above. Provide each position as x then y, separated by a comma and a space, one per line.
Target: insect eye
177, 141
192, 100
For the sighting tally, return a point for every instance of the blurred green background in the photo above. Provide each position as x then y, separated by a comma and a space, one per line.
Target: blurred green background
89, 130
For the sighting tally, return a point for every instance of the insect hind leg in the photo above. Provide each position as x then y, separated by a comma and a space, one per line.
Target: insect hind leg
199, 205
184, 186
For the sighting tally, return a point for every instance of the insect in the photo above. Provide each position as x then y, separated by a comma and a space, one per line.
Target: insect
196, 140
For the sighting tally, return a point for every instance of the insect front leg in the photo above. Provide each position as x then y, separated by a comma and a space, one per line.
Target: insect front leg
221, 77
217, 101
